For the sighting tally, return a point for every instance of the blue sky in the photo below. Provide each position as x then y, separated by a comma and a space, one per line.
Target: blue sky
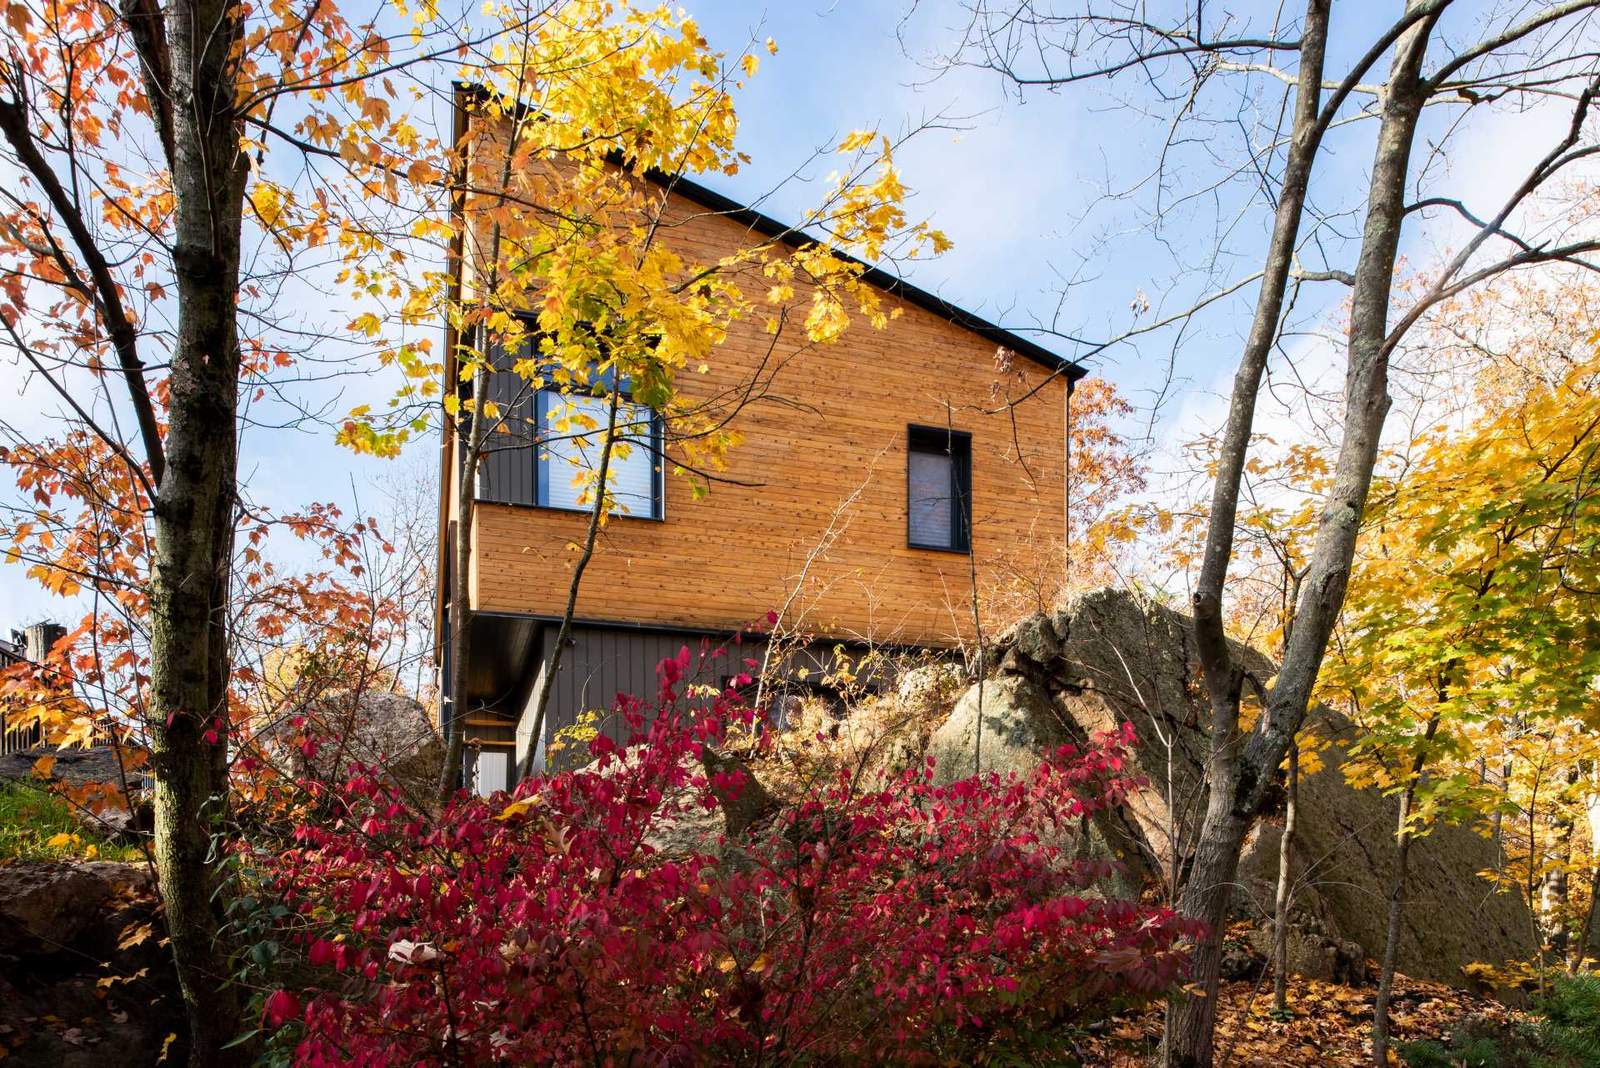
1017, 184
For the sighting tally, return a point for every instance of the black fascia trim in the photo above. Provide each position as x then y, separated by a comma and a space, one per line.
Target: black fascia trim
892, 284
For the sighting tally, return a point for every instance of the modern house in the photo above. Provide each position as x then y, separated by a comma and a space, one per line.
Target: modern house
886, 484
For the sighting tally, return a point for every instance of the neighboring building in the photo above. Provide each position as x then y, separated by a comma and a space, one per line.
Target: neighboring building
867, 507
13, 651
33, 644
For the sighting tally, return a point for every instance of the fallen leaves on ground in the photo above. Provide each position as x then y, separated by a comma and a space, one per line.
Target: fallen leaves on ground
1329, 1025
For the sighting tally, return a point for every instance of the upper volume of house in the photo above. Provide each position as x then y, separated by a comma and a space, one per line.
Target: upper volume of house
885, 483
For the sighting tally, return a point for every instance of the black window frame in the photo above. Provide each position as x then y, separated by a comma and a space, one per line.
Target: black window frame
956, 444
537, 400
658, 489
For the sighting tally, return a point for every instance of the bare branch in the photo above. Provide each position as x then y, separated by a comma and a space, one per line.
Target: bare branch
108, 294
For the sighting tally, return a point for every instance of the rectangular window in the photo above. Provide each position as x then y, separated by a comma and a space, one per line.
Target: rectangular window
543, 447
573, 431
938, 489
506, 468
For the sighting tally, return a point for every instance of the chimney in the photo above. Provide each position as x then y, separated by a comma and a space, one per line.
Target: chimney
39, 638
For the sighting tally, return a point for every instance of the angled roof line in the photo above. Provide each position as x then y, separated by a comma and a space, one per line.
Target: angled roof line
892, 284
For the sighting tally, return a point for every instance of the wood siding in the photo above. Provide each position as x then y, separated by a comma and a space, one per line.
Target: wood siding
812, 518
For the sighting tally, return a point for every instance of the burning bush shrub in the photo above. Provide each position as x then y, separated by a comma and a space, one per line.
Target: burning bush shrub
909, 924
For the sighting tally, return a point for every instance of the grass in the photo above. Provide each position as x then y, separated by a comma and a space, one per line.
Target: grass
36, 825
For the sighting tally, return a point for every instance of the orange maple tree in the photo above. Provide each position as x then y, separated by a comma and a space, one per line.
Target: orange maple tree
195, 179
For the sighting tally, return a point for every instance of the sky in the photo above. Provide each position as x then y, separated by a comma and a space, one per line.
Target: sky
1018, 183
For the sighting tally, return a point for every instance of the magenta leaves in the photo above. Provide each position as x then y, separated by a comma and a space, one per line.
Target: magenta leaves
595, 918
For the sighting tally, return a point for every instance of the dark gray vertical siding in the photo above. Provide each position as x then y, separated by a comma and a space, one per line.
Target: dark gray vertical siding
507, 471
603, 662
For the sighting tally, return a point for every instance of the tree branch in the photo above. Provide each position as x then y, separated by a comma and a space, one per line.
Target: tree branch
149, 33
1558, 157
108, 296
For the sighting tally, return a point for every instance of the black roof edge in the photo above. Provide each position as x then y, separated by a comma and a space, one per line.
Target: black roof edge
892, 284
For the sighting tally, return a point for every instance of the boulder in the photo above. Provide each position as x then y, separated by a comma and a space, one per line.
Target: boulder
685, 826
1110, 657
85, 976
1019, 723
99, 765
46, 909
391, 732
1313, 953
929, 686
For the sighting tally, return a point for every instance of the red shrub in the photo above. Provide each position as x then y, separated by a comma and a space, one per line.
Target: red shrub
915, 924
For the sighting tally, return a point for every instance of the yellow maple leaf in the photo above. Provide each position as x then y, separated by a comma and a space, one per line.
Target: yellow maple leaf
133, 934
518, 808
268, 200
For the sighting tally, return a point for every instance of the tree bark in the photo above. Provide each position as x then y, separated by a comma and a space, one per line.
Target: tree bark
1553, 895
453, 710
1280, 912
1397, 899
1580, 954
596, 516
1391, 938
1241, 769
194, 521
1190, 1022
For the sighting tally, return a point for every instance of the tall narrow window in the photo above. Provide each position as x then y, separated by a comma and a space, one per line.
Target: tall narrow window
505, 472
938, 489
573, 432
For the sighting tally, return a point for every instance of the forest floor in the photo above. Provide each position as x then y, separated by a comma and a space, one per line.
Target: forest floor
1328, 1026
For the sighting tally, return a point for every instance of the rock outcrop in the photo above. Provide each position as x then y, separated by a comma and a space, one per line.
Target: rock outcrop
85, 979
390, 732
1110, 657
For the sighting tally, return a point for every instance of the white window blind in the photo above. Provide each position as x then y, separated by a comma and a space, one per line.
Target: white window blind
493, 772
574, 434
932, 498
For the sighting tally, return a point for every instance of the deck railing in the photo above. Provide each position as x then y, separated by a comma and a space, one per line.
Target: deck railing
15, 739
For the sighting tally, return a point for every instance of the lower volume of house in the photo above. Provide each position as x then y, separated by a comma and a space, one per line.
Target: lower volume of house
604, 663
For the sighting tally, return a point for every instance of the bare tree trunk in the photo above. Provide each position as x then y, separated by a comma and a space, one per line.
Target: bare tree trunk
1280, 918
1553, 901
596, 515
194, 520
453, 710
1391, 938
1497, 832
1240, 769
1553, 895
1591, 804
1397, 900
1580, 954
1190, 1021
